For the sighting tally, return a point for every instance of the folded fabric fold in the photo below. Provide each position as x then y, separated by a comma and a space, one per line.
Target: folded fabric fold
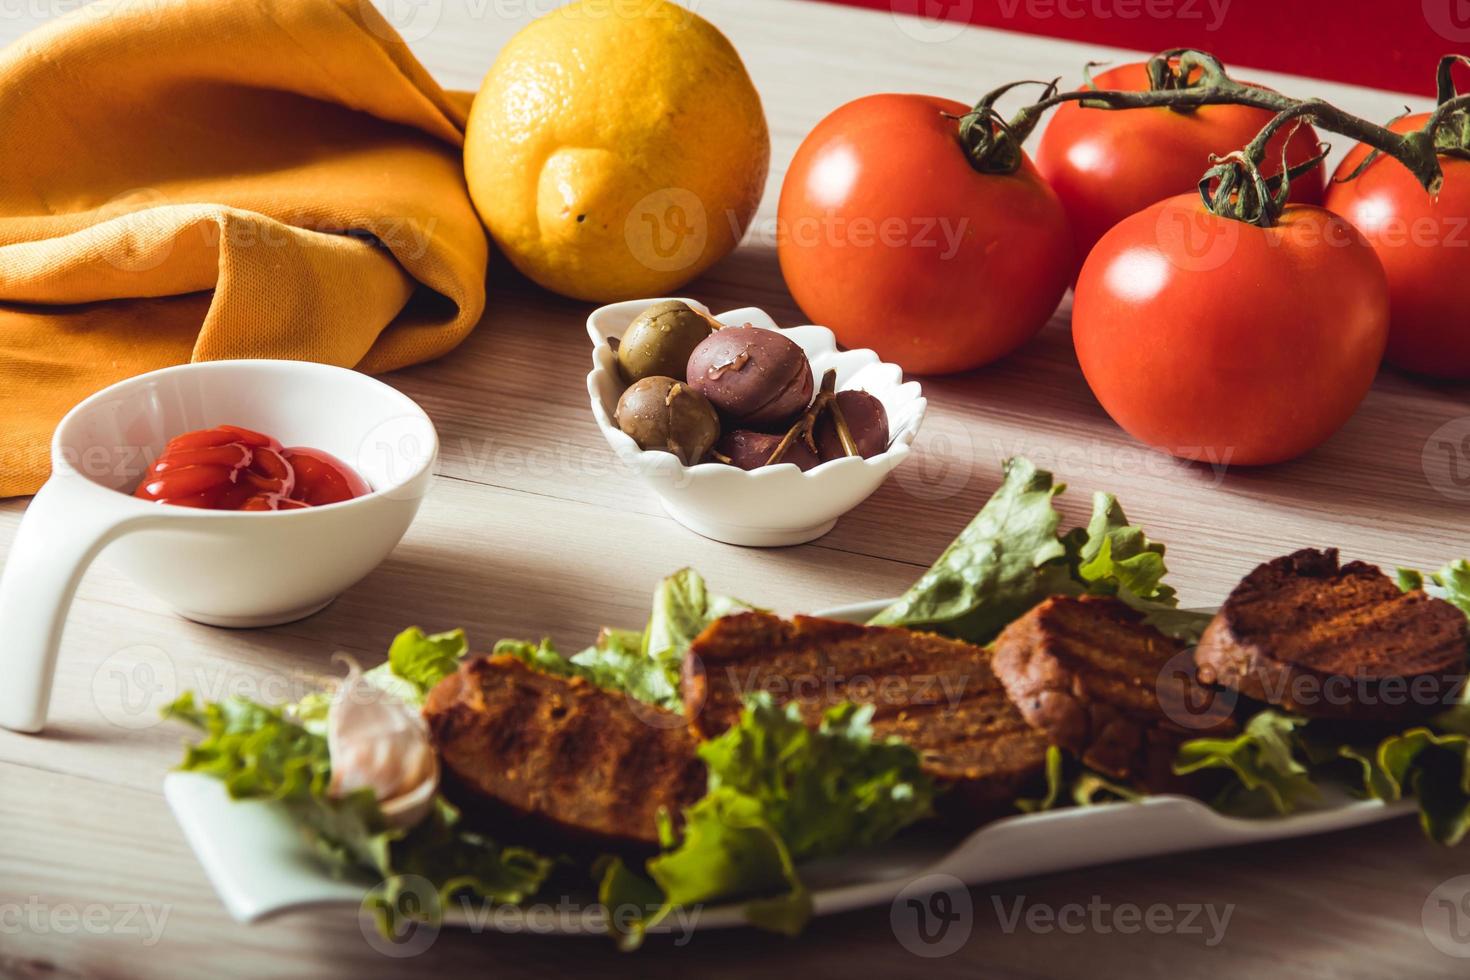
206, 179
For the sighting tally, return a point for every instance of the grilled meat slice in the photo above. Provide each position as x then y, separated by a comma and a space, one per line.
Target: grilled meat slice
555, 754
1095, 679
1330, 641
938, 695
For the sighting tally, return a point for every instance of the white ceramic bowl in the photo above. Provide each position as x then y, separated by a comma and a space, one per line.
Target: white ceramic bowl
773, 505
224, 568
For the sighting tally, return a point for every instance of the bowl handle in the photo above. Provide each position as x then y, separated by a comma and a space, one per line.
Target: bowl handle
59, 535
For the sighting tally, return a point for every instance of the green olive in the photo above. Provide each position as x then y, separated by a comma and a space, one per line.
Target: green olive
660, 341
663, 414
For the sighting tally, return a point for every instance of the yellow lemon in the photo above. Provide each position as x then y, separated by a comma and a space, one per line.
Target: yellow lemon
617, 149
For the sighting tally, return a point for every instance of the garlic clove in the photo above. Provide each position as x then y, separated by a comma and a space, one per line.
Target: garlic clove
379, 742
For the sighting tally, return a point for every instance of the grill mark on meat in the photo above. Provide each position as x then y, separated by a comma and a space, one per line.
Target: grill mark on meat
937, 695
1300, 623
560, 757
507, 722
1107, 670
1389, 623
1089, 674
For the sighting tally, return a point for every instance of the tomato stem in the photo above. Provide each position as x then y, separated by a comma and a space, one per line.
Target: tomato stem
1185, 79
1234, 186
987, 137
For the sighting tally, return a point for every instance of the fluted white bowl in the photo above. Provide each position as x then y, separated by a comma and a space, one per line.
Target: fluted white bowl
773, 505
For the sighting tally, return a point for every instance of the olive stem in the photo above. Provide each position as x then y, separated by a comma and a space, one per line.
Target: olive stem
825, 401
844, 433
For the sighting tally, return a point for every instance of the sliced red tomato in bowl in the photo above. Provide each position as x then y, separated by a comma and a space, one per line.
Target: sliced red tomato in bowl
1221, 341
889, 236
1108, 164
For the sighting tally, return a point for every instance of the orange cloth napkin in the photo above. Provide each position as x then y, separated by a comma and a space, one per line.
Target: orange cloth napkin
203, 179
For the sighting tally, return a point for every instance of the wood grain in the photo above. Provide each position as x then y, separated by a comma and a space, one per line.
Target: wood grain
533, 530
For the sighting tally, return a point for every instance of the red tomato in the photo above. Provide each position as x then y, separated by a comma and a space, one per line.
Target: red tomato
889, 237
1107, 164
1424, 245
1219, 341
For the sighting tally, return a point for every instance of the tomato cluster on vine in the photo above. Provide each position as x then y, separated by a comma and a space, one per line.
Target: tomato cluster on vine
1226, 306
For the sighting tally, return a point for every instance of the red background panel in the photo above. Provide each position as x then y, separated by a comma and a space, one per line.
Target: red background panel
1389, 44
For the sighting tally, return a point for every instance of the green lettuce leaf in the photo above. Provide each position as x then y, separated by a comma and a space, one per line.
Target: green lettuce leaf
1093, 789
1117, 557
1182, 624
1056, 785
646, 664
423, 660
1012, 556
1279, 761
1456, 719
614, 662
415, 664
1069, 783
1263, 758
619, 886
642, 664
1009, 558
730, 850
618, 660
545, 658
254, 750
826, 790
1113, 557
682, 607
1440, 779
1430, 763
460, 862
261, 754
1451, 583
779, 793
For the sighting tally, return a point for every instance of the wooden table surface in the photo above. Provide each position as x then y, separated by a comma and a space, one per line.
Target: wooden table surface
532, 528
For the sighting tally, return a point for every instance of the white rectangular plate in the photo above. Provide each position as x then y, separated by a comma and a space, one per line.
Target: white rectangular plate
261, 866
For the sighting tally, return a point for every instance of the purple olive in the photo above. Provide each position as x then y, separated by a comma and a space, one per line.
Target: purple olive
866, 420
750, 450
756, 378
